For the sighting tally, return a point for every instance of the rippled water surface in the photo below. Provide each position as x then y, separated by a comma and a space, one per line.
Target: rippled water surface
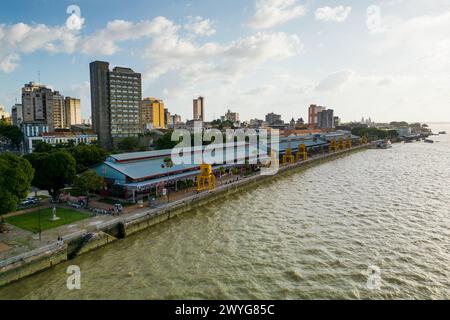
309, 235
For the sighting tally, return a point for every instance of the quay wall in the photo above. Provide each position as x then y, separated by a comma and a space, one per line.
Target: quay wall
84, 241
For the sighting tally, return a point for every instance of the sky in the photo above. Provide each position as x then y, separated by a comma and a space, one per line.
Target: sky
388, 59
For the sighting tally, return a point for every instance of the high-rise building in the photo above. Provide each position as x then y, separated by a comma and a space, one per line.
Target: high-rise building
273, 119
16, 114
152, 113
232, 116
72, 111
58, 112
199, 109
167, 118
325, 119
115, 102
312, 115
337, 121
37, 103
176, 119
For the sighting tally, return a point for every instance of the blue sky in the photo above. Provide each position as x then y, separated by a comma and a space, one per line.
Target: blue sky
387, 59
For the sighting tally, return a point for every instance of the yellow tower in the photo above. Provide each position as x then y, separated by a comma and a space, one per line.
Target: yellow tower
348, 143
364, 139
206, 180
341, 144
288, 157
333, 146
301, 153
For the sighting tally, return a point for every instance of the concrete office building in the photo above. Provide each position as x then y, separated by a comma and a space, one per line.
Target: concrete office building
199, 109
115, 102
72, 111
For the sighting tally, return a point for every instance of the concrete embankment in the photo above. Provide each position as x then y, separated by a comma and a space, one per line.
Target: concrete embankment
87, 240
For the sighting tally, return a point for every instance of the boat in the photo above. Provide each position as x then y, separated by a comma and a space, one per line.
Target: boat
380, 144
429, 141
442, 132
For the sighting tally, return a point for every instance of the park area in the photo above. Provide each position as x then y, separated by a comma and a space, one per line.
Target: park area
42, 219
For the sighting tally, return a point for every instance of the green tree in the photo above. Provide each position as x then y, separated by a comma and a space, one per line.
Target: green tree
88, 156
88, 181
53, 170
16, 174
165, 141
41, 146
129, 144
11, 133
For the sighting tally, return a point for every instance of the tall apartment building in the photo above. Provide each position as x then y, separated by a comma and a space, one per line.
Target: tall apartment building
58, 112
232, 116
273, 119
325, 119
16, 114
72, 110
115, 102
199, 109
37, 104
152, 113
167, 118
176, 119
312, 115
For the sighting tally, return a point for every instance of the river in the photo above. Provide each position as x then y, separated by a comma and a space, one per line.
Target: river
314, 234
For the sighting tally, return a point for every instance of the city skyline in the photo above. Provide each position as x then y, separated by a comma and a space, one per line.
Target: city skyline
254, 57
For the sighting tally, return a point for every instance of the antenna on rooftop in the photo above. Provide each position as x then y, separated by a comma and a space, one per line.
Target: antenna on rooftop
39, 76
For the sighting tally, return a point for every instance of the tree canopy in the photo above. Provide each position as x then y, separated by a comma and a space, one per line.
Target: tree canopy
16, 174
11, 133
53, 170
88, 181
87, 156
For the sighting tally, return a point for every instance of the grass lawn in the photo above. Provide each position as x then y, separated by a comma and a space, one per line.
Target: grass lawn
30, 221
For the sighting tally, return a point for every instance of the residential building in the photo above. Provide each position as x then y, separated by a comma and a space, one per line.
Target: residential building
72, 110
336, 121
232, 116
17, 114
37, 103
58, 112
152, 113
167, 118
312, 115
60, 137
115, 102
199, 109
325, 119
176, 119
274, 119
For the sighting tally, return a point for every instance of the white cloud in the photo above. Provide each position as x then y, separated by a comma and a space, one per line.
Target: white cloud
169, 51
200, 26
270, 13
20, 38
335, 81
337, 14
